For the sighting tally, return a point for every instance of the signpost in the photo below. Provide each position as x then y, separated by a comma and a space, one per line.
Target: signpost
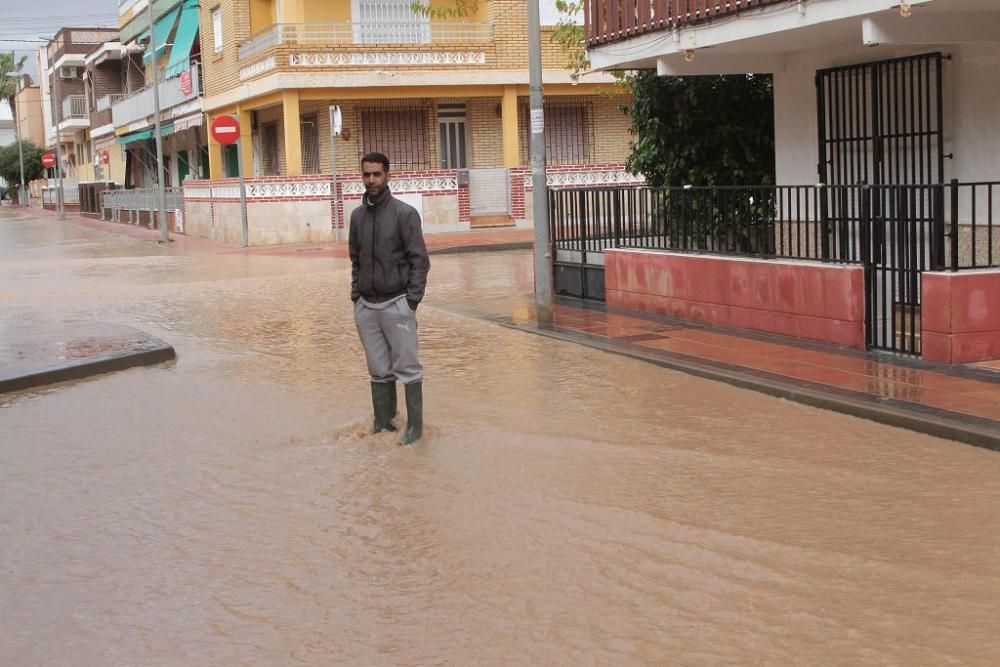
336, 126
48, 160
226, 130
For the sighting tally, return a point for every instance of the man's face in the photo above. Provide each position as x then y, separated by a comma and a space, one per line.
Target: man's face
375, 178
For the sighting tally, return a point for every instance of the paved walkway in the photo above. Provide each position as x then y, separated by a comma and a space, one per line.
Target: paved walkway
491, 238
961, 402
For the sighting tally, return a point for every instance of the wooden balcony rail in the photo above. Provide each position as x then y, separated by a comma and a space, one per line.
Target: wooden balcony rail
607, 21
381, 33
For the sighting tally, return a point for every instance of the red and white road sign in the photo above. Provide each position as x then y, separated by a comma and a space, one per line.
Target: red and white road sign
48, 159
225, 129
105, 157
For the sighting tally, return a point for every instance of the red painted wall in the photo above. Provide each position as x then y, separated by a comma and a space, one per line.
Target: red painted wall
799, 299
961, 316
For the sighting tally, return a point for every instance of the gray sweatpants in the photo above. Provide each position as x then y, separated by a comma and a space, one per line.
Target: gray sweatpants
389, 334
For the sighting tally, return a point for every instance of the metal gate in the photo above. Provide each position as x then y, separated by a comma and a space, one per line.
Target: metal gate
880, 125
489, 191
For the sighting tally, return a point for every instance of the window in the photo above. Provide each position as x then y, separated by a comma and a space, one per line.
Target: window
217, 29
399, 132
389, 22
568, 135
451, 126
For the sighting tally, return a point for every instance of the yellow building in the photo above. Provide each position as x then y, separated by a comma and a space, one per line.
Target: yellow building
438, 96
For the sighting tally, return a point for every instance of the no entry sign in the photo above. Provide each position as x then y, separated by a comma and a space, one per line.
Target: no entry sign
48, 160
225, 129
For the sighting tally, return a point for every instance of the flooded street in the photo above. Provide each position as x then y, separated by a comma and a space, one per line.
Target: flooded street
566, 507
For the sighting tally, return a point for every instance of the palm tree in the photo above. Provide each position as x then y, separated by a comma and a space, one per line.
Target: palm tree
10, 66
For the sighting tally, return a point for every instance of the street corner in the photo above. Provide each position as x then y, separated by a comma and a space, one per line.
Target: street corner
43, 353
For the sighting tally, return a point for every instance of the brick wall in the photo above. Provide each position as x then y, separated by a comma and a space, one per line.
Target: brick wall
486, 132
107, 80
611, 129
222, 70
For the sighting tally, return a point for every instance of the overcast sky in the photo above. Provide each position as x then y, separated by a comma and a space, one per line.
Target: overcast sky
23, 21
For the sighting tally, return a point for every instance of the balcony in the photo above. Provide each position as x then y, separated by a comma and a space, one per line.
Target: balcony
610, 21
109, 101
78, 42
139, 105
101, 115
321, 36
75, 114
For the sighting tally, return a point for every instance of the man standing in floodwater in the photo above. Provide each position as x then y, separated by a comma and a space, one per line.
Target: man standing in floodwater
389, 266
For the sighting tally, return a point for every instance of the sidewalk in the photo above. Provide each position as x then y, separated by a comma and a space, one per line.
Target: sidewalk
491, 238
43, 353
956, 402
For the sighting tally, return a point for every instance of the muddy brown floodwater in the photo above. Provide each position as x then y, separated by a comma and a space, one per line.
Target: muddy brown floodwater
567, 507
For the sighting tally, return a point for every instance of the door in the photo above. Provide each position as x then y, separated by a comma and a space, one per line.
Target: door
880, 124
183, 166
452, 139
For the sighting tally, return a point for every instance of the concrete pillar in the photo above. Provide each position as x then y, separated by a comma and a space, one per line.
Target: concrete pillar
246, 143
509, 119
293, 139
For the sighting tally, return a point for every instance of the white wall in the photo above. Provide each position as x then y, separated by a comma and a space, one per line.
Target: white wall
971, 108
549, 15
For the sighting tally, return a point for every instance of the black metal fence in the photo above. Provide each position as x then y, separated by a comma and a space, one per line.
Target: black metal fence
957, 223
895, 231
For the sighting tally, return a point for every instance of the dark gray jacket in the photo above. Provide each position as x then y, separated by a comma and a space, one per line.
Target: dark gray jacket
388, 255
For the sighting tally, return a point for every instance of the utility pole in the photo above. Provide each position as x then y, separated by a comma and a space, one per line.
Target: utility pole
540, 196
160, 171
57, 114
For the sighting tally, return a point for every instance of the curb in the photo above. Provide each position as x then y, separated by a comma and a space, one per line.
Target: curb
455, 250
87, 369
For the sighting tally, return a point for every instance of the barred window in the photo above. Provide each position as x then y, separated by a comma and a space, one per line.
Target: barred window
270, 160
309, 137
399, 132
568, 134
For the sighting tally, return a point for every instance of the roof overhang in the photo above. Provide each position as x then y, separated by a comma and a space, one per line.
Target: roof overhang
759, 41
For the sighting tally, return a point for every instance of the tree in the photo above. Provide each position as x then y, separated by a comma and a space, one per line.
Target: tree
10, 169
9, 67
702, 130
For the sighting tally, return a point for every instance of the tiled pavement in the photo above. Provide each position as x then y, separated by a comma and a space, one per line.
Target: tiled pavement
960, 402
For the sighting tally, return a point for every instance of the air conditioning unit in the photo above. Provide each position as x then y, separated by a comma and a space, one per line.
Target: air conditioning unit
67, 72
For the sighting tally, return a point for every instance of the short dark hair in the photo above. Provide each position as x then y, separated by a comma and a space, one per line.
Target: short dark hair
376, 157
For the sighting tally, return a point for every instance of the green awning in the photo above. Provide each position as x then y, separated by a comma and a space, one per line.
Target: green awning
187, 31
135, 136
161, 31
145, 134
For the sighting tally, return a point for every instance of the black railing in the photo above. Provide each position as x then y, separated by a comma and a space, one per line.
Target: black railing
950, 226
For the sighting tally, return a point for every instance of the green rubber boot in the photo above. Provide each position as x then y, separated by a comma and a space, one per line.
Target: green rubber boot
384, 401
414, 413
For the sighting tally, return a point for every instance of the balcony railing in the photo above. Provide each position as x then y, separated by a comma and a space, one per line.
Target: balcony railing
74, 106
615, 20
78, 42
139, 105
108, 101
345, 33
